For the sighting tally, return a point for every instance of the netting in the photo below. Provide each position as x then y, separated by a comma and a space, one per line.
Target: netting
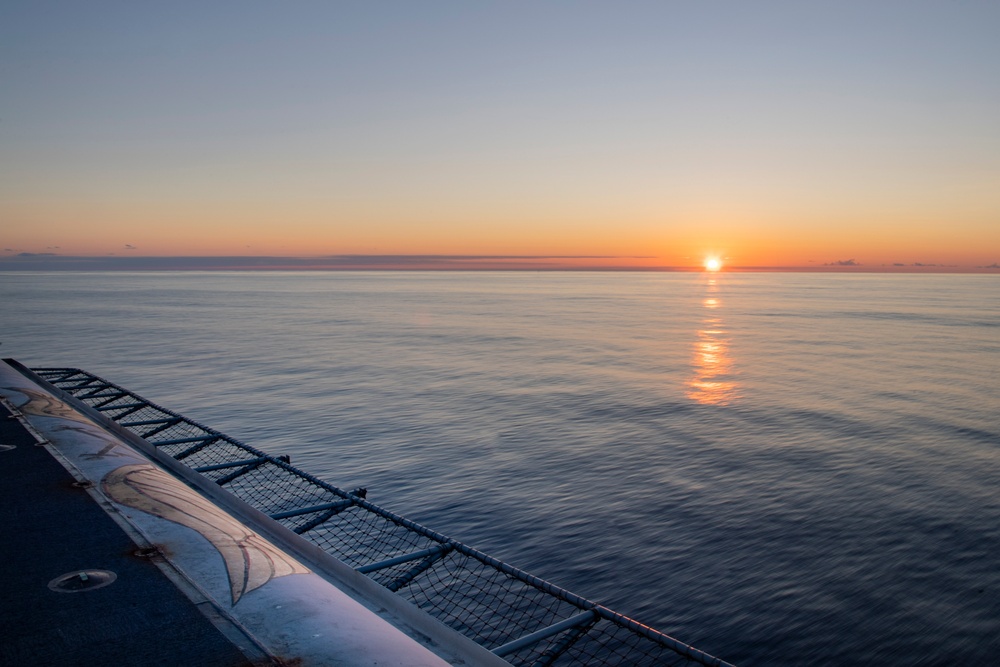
525, 620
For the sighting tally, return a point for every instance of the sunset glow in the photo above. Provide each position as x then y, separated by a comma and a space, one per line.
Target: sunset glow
713, 264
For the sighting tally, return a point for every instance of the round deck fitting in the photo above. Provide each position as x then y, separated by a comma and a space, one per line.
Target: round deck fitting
82, 580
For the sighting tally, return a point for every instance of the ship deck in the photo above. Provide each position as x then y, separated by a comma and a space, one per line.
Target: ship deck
221, 554
53, 526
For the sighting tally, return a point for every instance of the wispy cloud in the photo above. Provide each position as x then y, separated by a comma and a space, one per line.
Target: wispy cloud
52, 262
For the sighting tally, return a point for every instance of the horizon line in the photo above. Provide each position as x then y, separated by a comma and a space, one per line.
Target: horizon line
437, 262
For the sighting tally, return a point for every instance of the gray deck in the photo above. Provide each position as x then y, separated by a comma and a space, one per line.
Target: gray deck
50, 527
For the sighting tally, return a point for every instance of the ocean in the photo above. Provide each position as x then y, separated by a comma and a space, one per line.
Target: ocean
778, 468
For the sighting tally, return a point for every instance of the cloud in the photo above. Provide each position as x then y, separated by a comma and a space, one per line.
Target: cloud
843, 262
129, 246
132, 262
36, 254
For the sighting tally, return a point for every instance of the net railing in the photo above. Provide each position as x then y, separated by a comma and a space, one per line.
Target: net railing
525, 620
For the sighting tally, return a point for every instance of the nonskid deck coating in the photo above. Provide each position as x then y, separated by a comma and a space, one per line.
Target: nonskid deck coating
52, 527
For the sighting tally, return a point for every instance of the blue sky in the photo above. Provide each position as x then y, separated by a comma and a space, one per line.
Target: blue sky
770, 131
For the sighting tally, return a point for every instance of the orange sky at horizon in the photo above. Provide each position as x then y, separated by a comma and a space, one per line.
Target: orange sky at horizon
167, 232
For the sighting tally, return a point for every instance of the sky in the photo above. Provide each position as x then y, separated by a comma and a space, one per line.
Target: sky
618, 134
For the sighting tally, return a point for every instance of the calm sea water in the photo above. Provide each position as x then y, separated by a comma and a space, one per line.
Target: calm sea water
782, 469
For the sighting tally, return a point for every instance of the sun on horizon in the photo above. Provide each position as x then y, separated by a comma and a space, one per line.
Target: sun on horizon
713, 264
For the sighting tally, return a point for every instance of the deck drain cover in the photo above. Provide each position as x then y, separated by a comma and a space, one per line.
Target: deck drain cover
82, 580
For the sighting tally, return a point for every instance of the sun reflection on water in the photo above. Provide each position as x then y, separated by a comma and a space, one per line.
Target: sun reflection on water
713, 382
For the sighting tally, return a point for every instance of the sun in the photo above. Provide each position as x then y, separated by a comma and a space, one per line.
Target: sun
713, 264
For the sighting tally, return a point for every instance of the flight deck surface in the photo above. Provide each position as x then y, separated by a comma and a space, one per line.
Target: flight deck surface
53, 526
